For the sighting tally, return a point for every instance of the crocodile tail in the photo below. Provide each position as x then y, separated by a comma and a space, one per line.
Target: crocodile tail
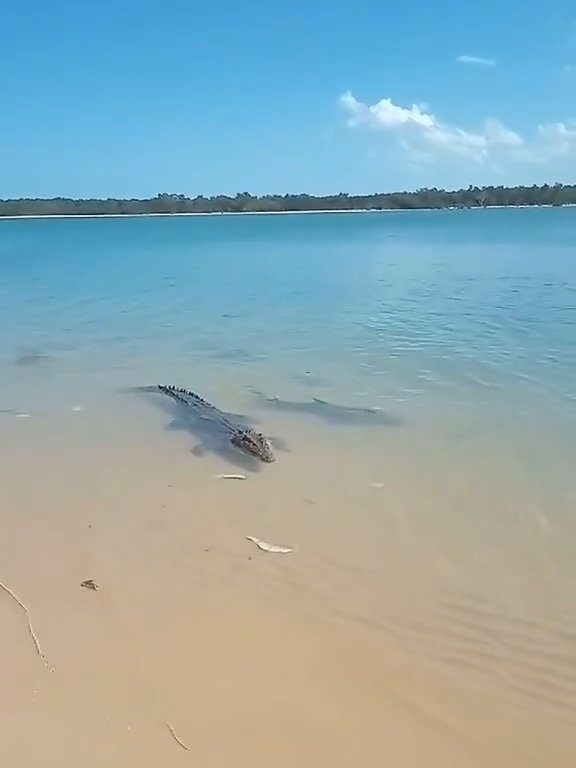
173, 392
182, 395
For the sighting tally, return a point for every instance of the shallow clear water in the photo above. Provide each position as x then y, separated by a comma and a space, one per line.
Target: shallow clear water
437, 303
459, 327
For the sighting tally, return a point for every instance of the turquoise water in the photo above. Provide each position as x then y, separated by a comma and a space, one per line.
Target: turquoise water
441, 299
406, 306
458, 326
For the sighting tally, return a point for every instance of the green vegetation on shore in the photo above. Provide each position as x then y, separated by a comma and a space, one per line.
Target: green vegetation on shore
473, 197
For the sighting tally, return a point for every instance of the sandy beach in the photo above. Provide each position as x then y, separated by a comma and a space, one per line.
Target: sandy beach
249, 658
273, 213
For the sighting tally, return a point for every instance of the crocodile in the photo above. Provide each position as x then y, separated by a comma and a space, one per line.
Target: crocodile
241, 436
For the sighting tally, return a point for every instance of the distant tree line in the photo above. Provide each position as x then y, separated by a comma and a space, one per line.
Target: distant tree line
473, 197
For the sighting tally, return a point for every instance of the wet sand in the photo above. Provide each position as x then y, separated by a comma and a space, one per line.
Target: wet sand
394, 633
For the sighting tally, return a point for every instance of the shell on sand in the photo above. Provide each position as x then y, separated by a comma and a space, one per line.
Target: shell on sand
269, 547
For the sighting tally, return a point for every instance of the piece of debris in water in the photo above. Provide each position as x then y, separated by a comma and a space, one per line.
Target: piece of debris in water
269, 547
77, 408
231, 477
90, 584
376, 485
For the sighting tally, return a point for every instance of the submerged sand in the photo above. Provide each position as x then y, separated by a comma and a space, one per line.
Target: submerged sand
395, 633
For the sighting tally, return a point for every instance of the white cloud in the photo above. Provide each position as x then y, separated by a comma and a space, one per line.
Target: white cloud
557, 139
385, 114
478, 60
422, 134
426, 139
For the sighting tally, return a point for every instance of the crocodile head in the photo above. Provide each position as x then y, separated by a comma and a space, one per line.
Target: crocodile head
255, 444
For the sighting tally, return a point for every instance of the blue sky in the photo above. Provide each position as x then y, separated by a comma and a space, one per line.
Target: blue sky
134, 98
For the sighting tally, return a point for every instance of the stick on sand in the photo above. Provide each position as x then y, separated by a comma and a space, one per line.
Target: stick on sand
176, 737
27, 612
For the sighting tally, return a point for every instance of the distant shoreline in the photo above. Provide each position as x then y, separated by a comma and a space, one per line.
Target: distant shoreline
243, 203
269, 213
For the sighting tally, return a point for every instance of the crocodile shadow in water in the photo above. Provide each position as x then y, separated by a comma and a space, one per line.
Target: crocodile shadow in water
330, 412
31, 360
